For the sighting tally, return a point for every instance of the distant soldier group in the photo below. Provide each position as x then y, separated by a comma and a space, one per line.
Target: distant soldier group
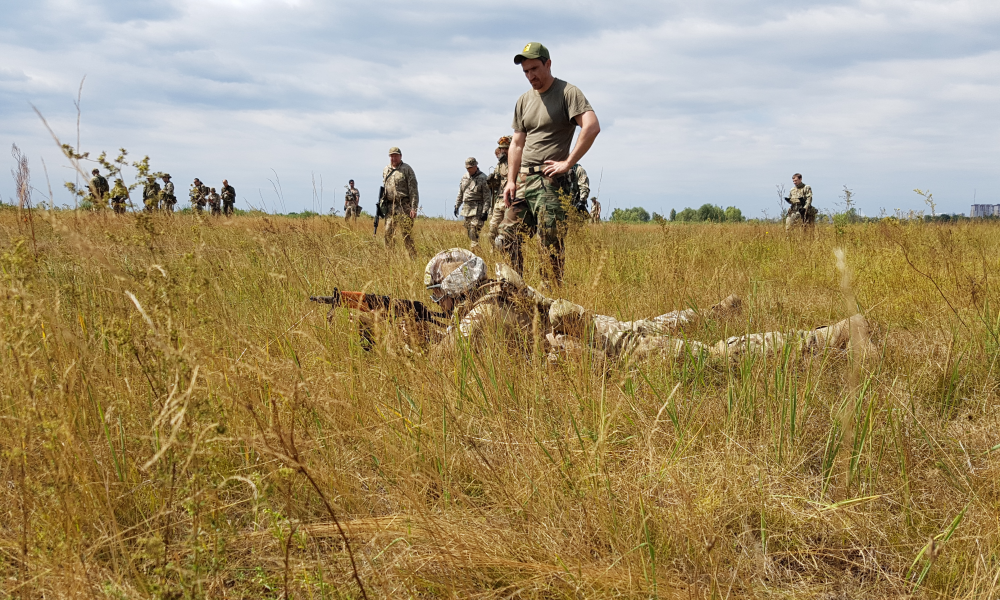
201, 196
156, 198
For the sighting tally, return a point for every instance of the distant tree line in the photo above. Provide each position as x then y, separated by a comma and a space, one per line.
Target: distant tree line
708, 213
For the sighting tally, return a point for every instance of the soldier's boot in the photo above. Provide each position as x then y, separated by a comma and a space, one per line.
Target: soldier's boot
852, 332
730, 306
568, 318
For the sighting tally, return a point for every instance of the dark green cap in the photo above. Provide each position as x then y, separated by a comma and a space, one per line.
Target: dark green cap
532, 50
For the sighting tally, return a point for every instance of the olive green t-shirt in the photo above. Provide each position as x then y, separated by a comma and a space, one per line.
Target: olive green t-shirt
547, 119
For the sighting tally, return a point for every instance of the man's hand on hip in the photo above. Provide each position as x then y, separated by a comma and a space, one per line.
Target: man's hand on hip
556, 167
413, 214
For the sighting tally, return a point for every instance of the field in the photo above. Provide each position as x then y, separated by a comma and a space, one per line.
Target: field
178, 420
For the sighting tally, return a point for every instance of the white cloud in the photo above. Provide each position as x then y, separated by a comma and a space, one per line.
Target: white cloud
709, 102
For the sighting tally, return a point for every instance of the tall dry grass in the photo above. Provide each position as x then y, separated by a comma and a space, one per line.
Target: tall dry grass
178, 421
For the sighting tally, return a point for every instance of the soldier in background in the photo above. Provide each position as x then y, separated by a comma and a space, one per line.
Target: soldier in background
98, 188
595, 211
401, 200
801, 209
497, 180
228, 198
119, 197
352, 202
474, 200
197, 195
214, 201
169, 199
151, 194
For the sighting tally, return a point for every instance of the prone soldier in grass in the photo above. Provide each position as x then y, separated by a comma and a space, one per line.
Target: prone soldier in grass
538, 182
504, 305
474, 199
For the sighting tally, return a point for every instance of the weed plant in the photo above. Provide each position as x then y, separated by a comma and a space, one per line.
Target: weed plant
177, 420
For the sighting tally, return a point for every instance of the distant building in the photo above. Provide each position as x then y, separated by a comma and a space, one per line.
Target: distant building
985, 210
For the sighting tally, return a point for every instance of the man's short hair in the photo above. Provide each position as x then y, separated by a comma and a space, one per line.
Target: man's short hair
96, 172
799, 175
350, 181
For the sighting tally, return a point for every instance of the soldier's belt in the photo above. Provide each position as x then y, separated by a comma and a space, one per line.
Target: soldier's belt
531, 170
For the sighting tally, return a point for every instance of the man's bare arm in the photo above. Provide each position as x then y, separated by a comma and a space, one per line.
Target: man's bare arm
514, 164
589, 128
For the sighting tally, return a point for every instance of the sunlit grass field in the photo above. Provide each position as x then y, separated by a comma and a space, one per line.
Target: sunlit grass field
177, 420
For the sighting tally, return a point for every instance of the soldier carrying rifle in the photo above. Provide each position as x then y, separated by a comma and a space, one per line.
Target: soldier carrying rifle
801, 209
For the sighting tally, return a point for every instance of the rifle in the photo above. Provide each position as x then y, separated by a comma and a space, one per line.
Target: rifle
378, 209
373, 302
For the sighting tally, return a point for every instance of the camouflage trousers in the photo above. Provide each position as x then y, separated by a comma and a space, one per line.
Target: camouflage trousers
400, 218
540, 205
496, 217
639, 338
351, 211
852, 332
472, 227
228, 208
796, 217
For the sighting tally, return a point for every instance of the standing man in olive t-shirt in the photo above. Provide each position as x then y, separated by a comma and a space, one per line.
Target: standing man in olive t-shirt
538, 185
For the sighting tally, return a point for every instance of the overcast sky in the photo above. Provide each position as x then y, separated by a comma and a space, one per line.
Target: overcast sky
713, 101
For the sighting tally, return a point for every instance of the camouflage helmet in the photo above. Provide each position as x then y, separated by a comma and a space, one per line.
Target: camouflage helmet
471, 162
504, 142
452, 273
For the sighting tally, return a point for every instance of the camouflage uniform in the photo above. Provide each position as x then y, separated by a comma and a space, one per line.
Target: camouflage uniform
548, 122
474, 199
228, 200
581, 188
506, 304
639, 338
850, 332
119, 197
151, 195
352, 204
214, 201
401, 196
801, 210
169, 199
99, 189
540, 205
483, 307
498, 179
595, 211
197, 195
